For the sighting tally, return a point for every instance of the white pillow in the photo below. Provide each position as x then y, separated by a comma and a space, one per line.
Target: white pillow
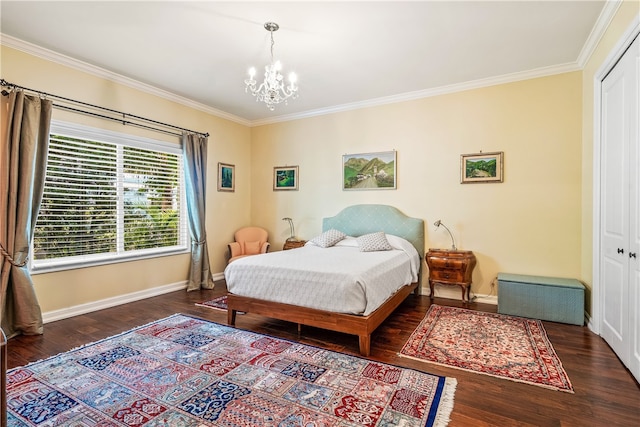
374, 242
348, 241
400, 243
328, 238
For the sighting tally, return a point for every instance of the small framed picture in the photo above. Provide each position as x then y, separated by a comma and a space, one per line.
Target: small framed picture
481, 167
285, 178
226, 177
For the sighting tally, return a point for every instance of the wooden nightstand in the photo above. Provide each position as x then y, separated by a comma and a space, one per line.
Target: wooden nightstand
292, 244
449, 267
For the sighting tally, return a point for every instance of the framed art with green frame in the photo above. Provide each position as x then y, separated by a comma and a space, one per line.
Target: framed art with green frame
285, 178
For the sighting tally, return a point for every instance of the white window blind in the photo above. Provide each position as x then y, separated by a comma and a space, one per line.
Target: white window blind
108, 197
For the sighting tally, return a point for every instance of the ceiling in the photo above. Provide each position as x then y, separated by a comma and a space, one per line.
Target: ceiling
346, 54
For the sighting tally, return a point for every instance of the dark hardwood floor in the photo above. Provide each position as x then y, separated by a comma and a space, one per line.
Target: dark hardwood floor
605, 392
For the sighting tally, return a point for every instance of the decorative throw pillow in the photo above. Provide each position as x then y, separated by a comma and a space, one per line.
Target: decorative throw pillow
374, 242
328, 238
251, 248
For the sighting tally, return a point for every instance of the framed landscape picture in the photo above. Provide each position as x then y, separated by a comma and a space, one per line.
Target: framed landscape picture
369, 171
481, 167
285, 178
226, 177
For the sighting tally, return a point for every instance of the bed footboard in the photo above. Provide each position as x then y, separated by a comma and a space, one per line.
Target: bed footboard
362, 326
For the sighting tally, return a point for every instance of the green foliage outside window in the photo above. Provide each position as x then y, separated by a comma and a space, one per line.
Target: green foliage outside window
95, 191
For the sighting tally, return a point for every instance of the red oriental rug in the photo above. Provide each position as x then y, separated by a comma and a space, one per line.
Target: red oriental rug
493, 344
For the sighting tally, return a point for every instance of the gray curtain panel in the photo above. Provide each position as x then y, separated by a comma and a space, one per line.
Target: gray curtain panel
23, 168
194, 149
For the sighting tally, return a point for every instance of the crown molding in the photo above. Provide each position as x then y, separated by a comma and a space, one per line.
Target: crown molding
604, 19
76, 64
426, 93
606, 15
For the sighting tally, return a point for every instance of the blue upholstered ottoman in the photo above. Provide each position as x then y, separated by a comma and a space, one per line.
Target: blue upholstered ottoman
537, 297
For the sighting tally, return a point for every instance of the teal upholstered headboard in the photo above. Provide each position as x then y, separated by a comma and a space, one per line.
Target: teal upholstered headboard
357, 220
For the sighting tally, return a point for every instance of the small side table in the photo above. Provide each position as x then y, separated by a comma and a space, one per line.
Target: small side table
449, 267
292, 244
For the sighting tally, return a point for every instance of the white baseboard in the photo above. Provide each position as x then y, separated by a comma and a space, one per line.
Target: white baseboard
451, 292
65, 313
589, 322
486, 299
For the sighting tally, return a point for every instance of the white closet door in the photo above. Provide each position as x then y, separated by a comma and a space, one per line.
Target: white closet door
633, 66
615, 209
620, 204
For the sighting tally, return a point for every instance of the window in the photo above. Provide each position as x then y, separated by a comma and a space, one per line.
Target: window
108, 197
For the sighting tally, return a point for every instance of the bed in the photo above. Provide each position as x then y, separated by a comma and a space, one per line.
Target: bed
252, 283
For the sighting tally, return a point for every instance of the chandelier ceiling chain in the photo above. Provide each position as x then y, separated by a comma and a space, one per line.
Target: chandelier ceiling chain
272, 90
271, 27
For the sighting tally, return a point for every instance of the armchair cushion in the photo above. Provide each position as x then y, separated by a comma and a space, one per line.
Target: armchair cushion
235, 249
252, 248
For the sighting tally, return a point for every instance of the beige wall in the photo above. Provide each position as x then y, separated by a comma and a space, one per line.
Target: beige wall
539, 221
529, 224
229, 143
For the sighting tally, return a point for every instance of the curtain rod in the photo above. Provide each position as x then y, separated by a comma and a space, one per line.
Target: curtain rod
123, 119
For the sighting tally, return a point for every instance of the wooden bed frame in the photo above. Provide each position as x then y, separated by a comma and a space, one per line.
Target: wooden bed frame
354, 221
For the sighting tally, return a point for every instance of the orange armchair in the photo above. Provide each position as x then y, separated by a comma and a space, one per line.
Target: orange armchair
249, 241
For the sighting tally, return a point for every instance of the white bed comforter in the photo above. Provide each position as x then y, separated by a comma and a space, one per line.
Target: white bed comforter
339, 279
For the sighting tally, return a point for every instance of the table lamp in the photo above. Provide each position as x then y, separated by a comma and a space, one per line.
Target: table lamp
439, 223
293, 233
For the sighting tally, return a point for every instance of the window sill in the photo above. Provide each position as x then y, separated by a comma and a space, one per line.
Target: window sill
115, 259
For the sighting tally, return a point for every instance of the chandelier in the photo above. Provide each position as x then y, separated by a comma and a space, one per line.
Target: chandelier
272, 90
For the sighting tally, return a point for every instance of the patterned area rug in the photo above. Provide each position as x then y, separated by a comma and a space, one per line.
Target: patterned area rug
219, 303
185, 371
502, 346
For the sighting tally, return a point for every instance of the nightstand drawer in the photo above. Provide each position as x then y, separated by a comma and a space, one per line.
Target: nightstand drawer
447, 275
448, 263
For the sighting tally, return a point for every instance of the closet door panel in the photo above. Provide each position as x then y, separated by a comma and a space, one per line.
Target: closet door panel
614, 214
614, 313
633, 68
